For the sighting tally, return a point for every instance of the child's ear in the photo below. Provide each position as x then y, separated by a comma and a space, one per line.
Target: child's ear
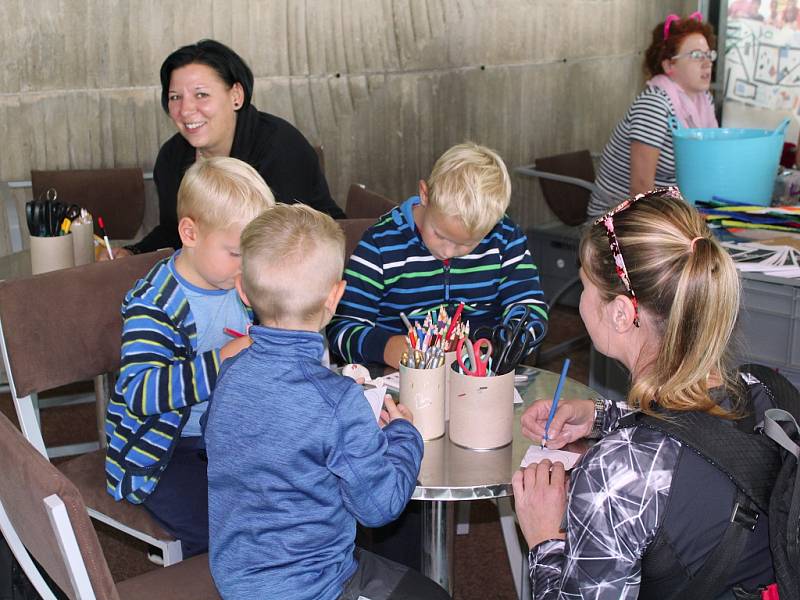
423, 192
335, 295
188, 232
238, 283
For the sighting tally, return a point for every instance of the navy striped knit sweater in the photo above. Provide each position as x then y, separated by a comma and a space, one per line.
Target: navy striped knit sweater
391, 271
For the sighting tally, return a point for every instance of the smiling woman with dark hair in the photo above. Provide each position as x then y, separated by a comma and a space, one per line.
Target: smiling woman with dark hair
206, 89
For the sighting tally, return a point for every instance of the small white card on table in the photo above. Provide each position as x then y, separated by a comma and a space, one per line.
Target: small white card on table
536, 454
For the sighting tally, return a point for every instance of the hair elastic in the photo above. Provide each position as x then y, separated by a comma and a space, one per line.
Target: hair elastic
696, 15
692, 243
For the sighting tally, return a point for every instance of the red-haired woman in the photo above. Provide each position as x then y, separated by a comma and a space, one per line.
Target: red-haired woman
639, 155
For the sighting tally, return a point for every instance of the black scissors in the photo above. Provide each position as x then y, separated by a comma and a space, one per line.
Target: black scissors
44, 217
514, 339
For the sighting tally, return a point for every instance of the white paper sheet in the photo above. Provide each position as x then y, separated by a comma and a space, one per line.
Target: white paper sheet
517, 397
536, 454
375, 397
391, 381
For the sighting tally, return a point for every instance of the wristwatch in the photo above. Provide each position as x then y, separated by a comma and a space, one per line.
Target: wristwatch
599, 418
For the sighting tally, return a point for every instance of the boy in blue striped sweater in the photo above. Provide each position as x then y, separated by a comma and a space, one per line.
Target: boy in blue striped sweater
452, 243
173, 342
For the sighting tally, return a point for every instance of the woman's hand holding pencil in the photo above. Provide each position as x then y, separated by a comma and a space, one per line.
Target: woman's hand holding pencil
573, 420
555, 423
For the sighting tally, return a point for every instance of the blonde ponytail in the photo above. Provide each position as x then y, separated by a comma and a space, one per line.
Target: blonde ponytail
687, 285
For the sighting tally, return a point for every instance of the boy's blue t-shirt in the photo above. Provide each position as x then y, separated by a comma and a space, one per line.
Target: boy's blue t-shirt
213, 311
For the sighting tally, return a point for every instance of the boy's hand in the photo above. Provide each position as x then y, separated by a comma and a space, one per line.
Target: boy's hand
394, 411
235, 346
394, 350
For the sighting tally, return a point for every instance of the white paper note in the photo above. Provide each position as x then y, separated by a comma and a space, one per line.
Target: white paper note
517, 397
391, 381
537, 454
375, 397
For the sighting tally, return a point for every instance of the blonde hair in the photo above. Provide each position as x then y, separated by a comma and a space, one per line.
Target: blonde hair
292, 256
471, 182
687, 284
220, 192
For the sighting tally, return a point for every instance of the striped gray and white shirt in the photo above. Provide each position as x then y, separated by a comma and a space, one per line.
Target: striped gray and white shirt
647, 121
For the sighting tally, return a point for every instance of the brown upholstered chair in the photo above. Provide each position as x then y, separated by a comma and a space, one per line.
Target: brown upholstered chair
364, 204
43, 517
353, 230
567, 181
117, 195
62, 327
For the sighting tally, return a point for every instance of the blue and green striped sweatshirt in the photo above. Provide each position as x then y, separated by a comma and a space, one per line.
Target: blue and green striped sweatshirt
161, 377
391, 271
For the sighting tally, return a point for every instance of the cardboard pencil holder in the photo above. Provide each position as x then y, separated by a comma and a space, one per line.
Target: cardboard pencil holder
82, 243
422, 390
434, 464
51, 253
481, 410
449, 359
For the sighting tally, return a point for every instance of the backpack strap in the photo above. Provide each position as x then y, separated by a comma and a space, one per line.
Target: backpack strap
775, 431
749, 460
711, 580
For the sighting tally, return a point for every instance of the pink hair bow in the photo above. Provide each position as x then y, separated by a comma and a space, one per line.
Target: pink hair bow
696, 15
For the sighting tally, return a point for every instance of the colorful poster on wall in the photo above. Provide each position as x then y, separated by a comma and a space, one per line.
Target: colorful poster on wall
762, 54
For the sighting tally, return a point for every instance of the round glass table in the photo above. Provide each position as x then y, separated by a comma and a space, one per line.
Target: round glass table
451, 473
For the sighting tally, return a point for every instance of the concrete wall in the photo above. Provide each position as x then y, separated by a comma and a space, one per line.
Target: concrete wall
384, 85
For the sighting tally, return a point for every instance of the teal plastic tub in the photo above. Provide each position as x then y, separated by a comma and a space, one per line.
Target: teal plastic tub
734, 164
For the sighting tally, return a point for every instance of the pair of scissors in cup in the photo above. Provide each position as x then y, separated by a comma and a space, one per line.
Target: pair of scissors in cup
515, 338
477, 353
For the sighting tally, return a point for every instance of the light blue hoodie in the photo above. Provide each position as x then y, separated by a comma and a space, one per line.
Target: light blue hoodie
295, 458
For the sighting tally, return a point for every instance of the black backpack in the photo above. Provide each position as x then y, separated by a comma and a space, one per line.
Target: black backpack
764, 468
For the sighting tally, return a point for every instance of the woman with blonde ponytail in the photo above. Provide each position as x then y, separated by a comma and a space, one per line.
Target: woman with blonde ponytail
661, 296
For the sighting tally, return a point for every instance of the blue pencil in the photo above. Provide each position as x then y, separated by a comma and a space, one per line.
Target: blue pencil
556, 396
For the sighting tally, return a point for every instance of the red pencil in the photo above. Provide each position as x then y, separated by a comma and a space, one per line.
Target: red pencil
232, 332
454, 322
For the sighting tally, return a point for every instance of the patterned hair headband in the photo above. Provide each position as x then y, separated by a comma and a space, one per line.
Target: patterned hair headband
696, 15
607, 221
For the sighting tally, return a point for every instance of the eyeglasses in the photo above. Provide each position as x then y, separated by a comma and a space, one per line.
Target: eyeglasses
699, 55
608, 222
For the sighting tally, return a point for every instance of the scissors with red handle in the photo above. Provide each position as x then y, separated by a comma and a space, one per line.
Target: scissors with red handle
478, 354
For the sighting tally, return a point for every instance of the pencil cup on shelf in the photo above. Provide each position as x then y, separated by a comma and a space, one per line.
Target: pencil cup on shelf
82, 242
422, 391
51, 253
481, 410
